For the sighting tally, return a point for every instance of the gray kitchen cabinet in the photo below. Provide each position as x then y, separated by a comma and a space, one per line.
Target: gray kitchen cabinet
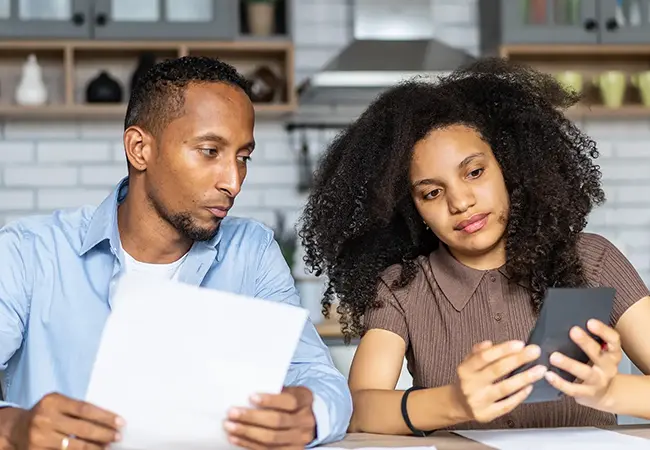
32, 19
165, 19
549, 21
565, 21
624, 21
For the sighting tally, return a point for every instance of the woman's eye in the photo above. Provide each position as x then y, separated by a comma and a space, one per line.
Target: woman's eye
432, 194
476, 173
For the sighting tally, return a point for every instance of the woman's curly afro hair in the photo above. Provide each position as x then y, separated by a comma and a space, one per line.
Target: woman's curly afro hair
360, 217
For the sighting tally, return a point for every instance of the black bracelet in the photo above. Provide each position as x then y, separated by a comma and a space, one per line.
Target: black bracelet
405, 414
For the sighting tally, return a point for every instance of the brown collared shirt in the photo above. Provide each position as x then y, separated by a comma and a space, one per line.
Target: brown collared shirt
449, 307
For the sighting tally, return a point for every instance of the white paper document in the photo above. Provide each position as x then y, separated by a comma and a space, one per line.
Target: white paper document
175, 358
430, 447
556, 438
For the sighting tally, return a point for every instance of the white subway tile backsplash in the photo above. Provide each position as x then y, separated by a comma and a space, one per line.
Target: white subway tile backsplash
73, 151
50, 199
324, 13
269, 131
50, 164
25, 176
598, 217
17, 152
626, 170
605, 150
639, 238
283, 198
275, 175
41, 129
262, 215
457, 35
333, 36
275, 152
616, 129
622, 217
633, 149
640, 261
453, 13
100, 129
249, 197
637, 194
103, 175
315, 57
16, 200
118, 151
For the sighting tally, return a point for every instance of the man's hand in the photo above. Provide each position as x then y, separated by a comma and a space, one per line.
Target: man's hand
284, 420
61, 423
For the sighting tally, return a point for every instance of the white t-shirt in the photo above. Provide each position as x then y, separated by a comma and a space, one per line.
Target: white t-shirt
169, 271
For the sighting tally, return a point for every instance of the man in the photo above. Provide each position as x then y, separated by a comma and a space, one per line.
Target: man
188, 139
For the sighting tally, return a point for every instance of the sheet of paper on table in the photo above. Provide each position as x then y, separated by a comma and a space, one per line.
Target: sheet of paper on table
174, 358
556, 438
430, 447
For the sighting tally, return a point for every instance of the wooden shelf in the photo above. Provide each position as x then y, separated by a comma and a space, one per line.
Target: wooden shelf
600, 111
590, 60
255, 45
63, 111
69, 65
587, 50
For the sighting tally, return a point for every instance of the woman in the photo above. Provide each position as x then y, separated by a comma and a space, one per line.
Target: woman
441, 216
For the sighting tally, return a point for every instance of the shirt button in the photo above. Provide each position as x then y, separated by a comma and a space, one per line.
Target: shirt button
498, 317
511, 424
493, 278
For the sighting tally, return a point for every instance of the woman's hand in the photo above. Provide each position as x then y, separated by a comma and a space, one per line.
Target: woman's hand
593, 381
483, 390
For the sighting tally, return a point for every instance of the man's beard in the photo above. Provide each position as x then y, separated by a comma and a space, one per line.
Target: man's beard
185, 224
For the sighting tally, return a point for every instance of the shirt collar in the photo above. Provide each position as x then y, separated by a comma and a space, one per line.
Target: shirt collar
457, 281
103, 224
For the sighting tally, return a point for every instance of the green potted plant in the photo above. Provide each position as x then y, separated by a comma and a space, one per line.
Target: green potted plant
286, 237
261, 17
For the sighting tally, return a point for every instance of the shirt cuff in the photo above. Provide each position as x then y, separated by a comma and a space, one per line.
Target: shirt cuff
8, 405
322, 416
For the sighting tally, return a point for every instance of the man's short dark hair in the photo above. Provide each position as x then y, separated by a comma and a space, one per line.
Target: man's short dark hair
158, 96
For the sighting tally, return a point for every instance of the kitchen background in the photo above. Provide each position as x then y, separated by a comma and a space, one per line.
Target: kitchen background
61, 157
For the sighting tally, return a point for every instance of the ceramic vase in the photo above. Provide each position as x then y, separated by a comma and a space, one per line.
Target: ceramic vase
104, 89
261, 17
31, 89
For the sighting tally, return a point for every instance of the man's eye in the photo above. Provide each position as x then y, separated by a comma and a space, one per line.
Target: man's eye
209, 152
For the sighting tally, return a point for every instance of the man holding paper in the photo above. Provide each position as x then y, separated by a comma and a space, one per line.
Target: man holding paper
188, 140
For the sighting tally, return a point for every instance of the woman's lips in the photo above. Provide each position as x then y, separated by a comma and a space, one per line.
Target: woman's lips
473, 224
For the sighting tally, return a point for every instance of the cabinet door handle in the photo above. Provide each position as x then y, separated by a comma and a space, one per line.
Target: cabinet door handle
101, 19
78, 19
611, 24
591, 24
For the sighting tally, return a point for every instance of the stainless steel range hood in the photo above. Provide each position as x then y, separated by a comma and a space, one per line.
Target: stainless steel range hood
393, 40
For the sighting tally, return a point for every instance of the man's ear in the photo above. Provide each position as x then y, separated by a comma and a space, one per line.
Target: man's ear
138, 145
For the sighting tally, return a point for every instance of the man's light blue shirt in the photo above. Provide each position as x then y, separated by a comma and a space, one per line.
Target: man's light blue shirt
56, 279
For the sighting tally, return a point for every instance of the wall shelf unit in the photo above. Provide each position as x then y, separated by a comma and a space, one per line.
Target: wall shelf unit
592, 60
68, 67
